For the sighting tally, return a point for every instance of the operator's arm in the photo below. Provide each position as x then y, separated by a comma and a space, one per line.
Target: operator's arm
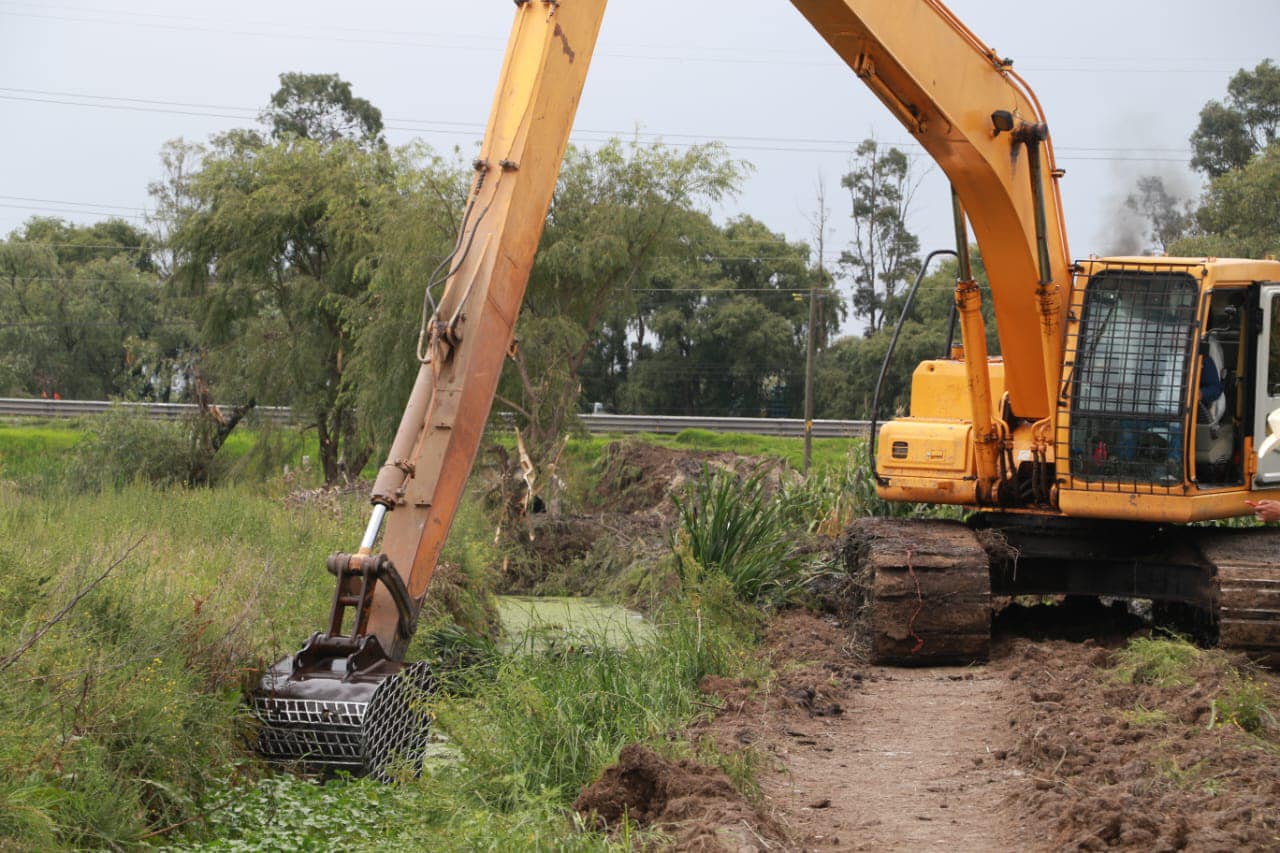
1266, 510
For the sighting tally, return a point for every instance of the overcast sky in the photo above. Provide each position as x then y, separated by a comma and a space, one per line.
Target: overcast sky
89, 91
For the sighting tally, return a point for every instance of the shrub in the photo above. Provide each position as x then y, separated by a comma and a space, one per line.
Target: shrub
121, 447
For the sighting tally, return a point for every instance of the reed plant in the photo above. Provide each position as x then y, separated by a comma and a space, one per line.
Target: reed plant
733, 527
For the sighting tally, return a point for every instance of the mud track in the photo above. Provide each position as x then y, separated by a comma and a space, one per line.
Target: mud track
917, 763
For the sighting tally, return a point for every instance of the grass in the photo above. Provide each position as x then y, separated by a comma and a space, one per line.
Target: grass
123, 726
1242, 700
126, 709
530, 729
1159, 661
583, 451
1146, 717
548, 723
28, 451
114, 449
1244, 704
126, 714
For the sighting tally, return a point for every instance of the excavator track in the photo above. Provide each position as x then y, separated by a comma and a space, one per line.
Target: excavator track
928, 589
1246, 564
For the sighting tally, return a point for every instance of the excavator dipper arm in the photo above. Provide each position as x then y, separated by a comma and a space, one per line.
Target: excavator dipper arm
346, 700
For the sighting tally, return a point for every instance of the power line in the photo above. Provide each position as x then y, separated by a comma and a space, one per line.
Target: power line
479, 126
109, 214
76, 203
448, 41
472, 130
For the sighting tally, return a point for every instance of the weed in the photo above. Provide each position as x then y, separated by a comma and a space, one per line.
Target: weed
128, 708
1159, 661
1146, 717
547, 723
742, 766
1244, 705
1184, 778
287, 813
123, 726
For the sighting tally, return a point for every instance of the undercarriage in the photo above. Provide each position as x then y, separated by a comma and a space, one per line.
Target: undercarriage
930, 585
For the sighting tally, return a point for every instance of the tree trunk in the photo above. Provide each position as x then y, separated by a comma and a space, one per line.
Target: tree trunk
328, 450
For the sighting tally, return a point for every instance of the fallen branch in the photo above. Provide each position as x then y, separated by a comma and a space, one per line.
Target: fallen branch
12, 658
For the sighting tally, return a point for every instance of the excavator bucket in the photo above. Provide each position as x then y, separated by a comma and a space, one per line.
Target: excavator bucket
376, 723
342, 703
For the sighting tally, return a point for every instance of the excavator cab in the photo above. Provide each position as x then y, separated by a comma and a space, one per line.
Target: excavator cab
1165, 393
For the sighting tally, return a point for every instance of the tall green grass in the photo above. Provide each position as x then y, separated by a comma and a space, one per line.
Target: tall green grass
126, 716
529, 728
548, 723
127, 707
123, 725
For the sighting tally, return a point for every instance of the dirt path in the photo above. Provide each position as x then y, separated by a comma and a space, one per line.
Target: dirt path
915, 762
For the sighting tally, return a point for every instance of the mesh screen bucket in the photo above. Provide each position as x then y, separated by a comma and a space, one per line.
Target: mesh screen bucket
310, 732
397, 725
381, 729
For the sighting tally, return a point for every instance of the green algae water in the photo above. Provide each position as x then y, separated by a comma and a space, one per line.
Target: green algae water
537, 623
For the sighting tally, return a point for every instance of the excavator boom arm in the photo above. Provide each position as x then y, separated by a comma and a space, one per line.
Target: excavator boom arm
947, 87
474, 324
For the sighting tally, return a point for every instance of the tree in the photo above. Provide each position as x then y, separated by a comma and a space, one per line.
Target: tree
80, 303
727, 333
1166, 217
1240, 213
618, 214
321, 107
848, 371
273, 251
883, 254
1231, 134
416, 231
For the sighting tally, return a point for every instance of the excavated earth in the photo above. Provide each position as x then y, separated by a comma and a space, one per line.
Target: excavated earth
1048, 747
1052, 746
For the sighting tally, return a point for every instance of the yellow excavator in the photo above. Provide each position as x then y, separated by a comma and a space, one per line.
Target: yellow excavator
1126, 405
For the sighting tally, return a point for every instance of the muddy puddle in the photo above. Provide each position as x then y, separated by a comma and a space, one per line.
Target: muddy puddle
536, 623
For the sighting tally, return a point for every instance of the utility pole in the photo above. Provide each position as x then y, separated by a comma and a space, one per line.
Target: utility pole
808, 374
820, 225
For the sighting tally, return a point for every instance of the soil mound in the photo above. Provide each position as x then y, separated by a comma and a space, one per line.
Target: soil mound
1138, 766
817, 661
696, 805
637, 476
